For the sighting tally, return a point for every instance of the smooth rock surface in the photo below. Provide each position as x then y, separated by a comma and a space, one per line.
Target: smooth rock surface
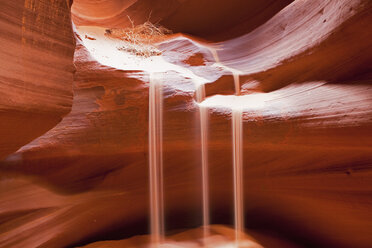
36, 69
307, 126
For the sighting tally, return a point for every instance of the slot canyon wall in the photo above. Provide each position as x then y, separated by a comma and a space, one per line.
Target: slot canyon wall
74, 129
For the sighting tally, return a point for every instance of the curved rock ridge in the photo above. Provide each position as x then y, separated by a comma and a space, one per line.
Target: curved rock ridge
306, 97
306, 41
212, 19
36, 69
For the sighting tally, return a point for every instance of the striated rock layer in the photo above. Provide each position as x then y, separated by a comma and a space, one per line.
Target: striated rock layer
216, 19
305, 76
36, 69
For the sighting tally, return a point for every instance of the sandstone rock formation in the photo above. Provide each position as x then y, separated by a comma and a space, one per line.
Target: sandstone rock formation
36, 68
224, 19
74, 151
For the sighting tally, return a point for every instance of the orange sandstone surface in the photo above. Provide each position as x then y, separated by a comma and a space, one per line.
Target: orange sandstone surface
74, 116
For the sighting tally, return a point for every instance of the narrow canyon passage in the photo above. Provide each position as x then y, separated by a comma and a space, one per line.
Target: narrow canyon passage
188, 123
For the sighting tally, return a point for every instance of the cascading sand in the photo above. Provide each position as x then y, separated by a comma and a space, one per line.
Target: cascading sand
156, 160
203, 111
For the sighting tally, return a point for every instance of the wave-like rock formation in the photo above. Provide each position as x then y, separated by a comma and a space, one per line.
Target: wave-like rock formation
212, 19
74, 117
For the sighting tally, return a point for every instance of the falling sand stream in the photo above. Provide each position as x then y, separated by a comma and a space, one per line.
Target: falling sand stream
106, 53
203, 111
237, 141
156, 160
237, 134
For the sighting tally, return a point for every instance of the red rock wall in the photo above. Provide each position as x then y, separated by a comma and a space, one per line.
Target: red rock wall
215, 19
36, 69
307, 150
